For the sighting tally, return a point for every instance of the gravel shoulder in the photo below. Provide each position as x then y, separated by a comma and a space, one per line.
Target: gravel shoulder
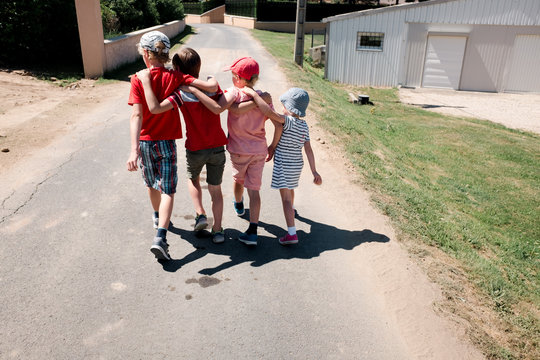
516, 111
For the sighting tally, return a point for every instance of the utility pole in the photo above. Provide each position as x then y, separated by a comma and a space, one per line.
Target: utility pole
299, 32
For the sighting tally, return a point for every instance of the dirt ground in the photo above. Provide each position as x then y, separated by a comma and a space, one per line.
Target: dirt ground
33, 112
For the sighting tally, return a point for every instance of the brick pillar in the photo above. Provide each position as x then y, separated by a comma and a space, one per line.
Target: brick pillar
91, 37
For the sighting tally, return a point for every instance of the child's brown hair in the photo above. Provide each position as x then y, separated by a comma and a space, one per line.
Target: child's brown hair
187, 61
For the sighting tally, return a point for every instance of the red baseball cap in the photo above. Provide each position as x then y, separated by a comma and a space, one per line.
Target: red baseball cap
245, 67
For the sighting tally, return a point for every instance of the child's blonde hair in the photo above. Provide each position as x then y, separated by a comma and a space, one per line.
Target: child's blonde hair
161, 55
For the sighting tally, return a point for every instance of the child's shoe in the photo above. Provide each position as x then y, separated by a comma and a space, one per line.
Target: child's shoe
248, 239
160, 249
218, 236
200, 222
288, 239
239, 207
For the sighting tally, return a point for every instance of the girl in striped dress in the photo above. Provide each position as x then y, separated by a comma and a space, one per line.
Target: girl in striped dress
288, 160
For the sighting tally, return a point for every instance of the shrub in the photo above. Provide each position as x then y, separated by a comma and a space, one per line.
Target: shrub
37, 33
123, 16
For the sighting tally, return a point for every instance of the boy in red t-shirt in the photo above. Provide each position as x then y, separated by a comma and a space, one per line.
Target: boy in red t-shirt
205, 139
153, 135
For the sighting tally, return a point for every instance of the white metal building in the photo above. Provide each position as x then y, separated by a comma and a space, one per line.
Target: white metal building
477, 45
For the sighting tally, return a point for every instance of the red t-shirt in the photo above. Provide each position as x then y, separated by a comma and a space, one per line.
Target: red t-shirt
164, 126
203, 127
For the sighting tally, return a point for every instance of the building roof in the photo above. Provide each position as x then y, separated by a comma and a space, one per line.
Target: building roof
488, 12
382, 9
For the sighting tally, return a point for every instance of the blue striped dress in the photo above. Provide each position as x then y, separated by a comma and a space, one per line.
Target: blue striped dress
288, 160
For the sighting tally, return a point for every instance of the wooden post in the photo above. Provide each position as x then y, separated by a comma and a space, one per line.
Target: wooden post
91, 37
299, 32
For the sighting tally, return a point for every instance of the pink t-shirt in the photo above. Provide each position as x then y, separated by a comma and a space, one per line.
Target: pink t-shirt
246, 131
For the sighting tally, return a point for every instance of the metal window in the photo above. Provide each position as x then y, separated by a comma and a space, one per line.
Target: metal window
369, 41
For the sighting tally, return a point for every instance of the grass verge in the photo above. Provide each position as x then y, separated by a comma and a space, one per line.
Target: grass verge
466, 187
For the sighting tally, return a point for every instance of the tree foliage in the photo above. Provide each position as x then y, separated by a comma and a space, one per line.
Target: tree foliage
123, 16
36, 32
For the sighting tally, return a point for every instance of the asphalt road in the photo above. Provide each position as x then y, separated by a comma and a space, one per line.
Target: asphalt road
78, 281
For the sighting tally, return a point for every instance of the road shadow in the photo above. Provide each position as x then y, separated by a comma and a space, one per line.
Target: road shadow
322, 237
435, 106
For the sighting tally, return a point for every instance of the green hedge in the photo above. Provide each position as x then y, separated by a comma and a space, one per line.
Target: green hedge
200, 7
285, 10
123, 16
37, 33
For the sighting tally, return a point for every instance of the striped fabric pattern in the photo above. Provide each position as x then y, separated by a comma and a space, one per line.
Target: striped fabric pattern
288, 160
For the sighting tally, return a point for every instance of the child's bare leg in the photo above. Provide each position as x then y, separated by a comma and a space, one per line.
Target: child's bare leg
254, 205
287, 198
165, 210
155, 198
238, 190
217, 205
195, 192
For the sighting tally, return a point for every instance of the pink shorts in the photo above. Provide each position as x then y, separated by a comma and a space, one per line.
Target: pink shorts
247, 170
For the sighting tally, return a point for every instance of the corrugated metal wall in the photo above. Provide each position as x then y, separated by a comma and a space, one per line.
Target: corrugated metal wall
406, 28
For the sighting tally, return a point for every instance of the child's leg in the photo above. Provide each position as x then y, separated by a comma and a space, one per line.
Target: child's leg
254, 205
195, 191
287, 198
217, 205
165, 210
238, 190
155, 198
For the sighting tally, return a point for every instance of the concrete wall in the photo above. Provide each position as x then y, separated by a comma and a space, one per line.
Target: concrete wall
100, 56
240, 21
123, 50
252, 23
91, 37
214, 16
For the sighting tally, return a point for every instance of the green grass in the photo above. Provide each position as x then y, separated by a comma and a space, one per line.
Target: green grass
469, 187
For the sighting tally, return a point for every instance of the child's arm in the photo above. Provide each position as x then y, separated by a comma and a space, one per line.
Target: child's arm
246, 106
210, 85
263, 106
217, 107
135, 123
317, 179
153, 104
278, 130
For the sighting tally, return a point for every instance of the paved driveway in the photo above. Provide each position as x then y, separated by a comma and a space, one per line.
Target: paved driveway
517, 111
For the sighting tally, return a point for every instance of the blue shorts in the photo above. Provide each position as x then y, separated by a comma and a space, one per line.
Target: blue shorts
158, 164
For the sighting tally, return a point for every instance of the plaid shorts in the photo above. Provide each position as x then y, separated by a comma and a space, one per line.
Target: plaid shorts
158, 164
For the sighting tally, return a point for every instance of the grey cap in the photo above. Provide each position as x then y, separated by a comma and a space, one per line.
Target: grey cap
296, 101
148, 41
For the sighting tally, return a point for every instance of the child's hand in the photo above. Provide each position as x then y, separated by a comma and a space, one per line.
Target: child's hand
271, 151
144, 75
248, 91
317, 179
131, 163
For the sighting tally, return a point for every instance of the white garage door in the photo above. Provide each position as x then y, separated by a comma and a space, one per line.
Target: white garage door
444, 58
524, 73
